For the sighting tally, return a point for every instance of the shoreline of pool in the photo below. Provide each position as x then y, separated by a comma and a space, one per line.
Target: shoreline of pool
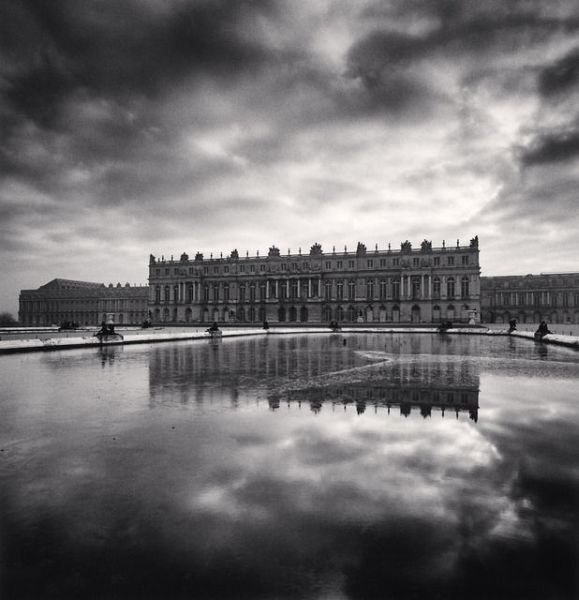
161, 335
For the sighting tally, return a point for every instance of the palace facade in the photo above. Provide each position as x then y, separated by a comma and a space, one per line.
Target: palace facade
82, 302
423, 285
550, 297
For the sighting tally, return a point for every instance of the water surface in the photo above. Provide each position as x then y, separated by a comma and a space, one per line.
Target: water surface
313, 466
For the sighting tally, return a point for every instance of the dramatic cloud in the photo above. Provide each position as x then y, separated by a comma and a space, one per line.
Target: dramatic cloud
163, 126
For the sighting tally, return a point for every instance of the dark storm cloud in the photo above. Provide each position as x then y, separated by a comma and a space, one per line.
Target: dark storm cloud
385, 60
552, 148
560, 76
124, 49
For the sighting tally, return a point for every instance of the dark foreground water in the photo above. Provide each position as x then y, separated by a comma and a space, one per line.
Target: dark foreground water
292, 467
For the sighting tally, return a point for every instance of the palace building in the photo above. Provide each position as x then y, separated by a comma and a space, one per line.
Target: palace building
550, 297
82, 302
423, 285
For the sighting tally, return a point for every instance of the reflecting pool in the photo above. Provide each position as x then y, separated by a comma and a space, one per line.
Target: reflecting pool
338, 466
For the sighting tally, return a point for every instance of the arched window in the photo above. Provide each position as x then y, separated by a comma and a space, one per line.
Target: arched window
303, 314
450, 287
327, 312
158, 295
167, 294
351, 313
351, 290
436, 288
370, 289
339, 314
252, 314
281, 314
340, 290
294, 289
382, 289
415, 314
328, 290
464, 287
261, 314
241, 314
396, 290
293, 314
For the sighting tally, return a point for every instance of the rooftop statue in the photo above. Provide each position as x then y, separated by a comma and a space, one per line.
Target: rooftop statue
426, 246
406, 246
273, 251
474, 242
316, 249
361, 248
234, 254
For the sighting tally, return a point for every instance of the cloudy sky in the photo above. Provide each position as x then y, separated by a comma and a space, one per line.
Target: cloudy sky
163, 126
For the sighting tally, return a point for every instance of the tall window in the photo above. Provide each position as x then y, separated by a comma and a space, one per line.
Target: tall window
351, 290
190, 293
370, 289
242, 292
167, 294
157, 295
226, 292
327, 290
382, 289
450, 287
396, 290
315, 288
464, 287
415, 288
436, 287
340, 290
252, 292
215, 292
262, 290
294, 288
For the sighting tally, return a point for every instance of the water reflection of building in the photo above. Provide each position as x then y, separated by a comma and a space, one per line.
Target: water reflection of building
386, 395
411, 375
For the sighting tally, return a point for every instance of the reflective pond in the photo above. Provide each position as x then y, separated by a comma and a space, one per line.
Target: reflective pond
336, 466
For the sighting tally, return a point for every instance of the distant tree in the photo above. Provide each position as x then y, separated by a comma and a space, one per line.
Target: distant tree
7, 320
